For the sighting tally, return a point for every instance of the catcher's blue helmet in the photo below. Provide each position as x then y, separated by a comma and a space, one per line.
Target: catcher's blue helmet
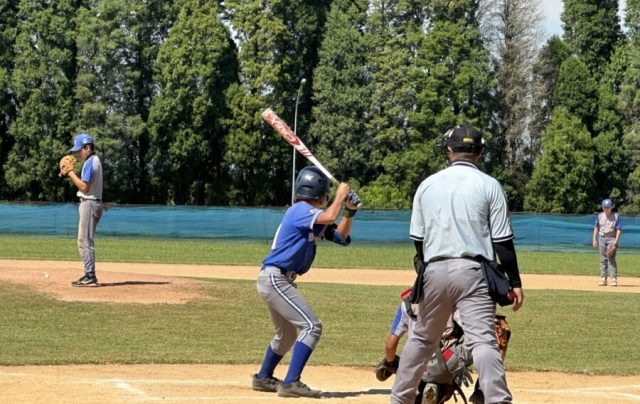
311, 184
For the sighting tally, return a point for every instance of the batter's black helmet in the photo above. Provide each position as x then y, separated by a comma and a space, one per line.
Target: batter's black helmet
311, 184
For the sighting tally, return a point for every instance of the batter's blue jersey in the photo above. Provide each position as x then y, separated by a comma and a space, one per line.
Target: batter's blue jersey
294, 245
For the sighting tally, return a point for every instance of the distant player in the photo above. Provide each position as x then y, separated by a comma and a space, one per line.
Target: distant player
89, 185
606, 236
291, 255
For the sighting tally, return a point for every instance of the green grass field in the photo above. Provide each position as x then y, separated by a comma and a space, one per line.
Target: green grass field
198, 251
568, 331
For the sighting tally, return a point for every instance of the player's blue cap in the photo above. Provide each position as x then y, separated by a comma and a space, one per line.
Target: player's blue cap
80, 140
607, 203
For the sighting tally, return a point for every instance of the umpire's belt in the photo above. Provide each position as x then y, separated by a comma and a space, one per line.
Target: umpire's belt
477, 258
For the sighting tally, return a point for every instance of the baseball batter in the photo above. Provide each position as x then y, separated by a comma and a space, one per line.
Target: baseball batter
459, 219
291, 255
89, 185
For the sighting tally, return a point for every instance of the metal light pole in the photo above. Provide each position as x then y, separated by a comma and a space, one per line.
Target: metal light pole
295, 130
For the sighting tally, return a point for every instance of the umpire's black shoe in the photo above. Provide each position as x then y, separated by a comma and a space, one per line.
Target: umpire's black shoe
86, 281
269, 384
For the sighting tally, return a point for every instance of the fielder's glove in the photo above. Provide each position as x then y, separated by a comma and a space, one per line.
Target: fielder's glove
352, 203
385, 369
67, 164
611, 250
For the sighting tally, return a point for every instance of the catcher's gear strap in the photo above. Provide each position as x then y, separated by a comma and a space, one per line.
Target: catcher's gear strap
506, 252
331, 234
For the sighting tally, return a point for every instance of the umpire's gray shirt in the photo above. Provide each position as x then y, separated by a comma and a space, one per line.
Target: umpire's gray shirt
459, 212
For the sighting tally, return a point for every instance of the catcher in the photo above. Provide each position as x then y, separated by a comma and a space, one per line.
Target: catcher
448, 369
89, 185
606, 236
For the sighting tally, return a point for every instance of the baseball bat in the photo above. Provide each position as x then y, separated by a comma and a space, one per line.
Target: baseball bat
287, 134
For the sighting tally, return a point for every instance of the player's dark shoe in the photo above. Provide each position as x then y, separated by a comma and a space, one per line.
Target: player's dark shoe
477, 397
86, 281
269, 384
297, 389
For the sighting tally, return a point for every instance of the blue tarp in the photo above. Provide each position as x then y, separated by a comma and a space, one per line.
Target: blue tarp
545, 232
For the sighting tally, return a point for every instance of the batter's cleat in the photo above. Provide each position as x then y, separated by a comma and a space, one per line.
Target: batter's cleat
268, 384
603, 282
297, 389
614, 282
430, 394
86, 281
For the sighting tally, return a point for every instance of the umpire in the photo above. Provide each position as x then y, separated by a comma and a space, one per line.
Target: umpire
459, 218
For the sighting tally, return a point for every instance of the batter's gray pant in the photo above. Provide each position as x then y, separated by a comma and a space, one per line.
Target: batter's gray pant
607, 263
450, 284
289, 311
90, 213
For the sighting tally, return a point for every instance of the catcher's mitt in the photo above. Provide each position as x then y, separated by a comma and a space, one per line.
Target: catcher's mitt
67, 163
385, 369
611, 250
503, 333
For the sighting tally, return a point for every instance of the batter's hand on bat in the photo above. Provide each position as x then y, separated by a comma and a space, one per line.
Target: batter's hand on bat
342, 192
353, 201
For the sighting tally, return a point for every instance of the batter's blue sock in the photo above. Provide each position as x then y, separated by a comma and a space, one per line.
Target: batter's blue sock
271, 360
299, 358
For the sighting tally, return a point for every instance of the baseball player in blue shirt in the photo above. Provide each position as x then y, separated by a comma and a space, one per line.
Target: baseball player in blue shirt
292, 253
459, 221
89, 185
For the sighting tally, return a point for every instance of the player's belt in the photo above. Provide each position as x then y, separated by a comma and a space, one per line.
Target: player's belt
476, 259
89, 199
290, 275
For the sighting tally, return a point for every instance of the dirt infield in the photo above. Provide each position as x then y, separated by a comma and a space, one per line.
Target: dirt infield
154, 283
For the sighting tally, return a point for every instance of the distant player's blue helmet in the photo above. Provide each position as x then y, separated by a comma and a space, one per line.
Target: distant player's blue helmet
80, 141
311, 184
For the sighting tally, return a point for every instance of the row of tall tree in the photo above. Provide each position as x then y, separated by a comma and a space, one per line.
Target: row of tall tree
173, 92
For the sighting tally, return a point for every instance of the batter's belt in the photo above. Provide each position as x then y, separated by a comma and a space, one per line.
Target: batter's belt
290, 275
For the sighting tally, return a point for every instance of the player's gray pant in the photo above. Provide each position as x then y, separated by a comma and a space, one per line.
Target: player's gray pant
90, 214
607, 263
450, 284
289, 312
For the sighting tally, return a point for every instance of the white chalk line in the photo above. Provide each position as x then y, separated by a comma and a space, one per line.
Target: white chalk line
129, 388
605, 391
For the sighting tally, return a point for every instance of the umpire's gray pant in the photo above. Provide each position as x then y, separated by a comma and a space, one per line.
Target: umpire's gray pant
451, 284
90, 213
